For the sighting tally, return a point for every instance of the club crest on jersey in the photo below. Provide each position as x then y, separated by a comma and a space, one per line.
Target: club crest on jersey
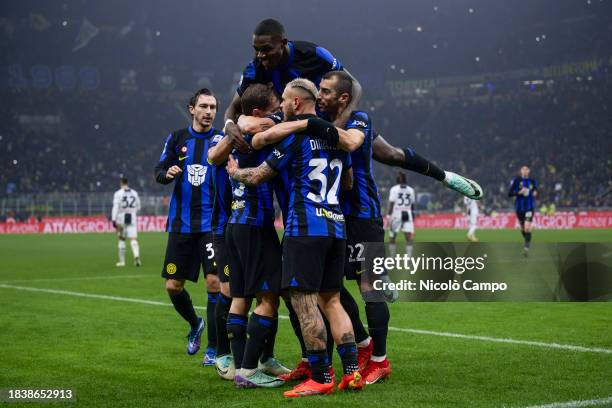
196, 173
184, 149
217, 138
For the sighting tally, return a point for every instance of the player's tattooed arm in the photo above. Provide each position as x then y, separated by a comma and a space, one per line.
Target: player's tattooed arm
252, 125
277, 133
311, 322
251, 176
346, 182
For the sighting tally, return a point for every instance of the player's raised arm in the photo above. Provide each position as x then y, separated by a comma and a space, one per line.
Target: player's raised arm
234, 109
251, 125
167, 168
277, 133
218, 154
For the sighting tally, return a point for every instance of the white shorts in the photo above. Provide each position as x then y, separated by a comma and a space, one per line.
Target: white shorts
397, 225
129, 231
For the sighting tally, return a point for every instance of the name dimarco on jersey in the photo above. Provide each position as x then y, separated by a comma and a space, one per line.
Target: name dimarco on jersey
320, 144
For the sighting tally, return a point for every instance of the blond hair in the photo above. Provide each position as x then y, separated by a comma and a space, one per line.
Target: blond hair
305, 85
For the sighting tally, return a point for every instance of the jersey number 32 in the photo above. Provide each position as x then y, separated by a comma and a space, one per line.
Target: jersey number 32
318, 174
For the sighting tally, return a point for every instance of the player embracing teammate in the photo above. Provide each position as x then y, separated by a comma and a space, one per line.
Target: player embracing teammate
332, 215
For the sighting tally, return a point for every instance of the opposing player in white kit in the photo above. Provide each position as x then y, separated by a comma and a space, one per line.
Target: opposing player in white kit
126, 205
401, 201
472, 214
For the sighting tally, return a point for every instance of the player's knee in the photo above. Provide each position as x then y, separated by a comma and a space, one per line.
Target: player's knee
329, 301
268, 305
174, 287
212, 283
240, 306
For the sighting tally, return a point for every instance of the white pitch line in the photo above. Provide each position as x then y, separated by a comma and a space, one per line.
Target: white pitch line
507, 340
557, 346
576, 404
142, 275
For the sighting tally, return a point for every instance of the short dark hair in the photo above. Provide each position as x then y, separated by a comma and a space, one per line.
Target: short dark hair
400, 178
271, 27
256, 96
204, 91
123, 180
345, 82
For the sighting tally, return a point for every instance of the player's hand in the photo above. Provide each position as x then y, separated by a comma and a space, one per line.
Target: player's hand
242, 122
115, 224
232, 165
173, 172
233, 132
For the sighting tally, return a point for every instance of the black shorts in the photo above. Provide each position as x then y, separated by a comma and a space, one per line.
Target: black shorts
524, 216
221, 258
313, 263
186, 252
365, 239
254, 256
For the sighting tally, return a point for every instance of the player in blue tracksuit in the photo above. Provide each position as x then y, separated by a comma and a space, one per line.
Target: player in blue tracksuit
524, 189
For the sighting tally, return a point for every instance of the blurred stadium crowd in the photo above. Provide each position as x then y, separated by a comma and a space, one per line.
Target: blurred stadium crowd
93, 95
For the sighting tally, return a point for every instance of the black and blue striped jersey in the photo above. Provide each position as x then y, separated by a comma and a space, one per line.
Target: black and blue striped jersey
314, 173
363, 200
222, 209
523, 203
252, 205
306, 60
193, 199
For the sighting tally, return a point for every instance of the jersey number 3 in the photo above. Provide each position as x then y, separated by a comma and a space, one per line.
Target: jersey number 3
318, 174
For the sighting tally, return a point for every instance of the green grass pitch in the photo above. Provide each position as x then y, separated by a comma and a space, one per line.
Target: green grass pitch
120, 353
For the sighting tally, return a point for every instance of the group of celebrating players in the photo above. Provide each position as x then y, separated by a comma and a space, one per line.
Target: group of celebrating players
292, 132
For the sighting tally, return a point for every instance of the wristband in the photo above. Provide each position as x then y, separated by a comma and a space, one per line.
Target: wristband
320, 127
